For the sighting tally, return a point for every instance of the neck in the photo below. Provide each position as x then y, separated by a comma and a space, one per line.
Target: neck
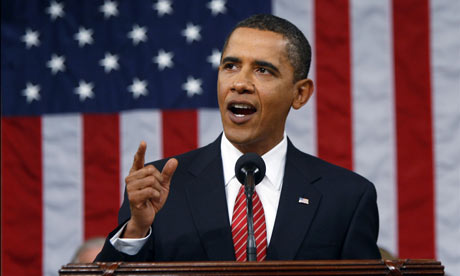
259, 147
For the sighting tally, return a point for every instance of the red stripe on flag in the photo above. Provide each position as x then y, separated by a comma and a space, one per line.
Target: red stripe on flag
21, 196
101, 165
414, 129
334, 126
180, 131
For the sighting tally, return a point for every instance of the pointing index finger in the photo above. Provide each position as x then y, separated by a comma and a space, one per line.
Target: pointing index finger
139, 157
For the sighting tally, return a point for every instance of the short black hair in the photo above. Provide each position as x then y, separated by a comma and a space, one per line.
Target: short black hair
297, 48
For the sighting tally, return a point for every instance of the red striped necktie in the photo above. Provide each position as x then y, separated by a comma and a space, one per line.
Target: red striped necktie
240, 227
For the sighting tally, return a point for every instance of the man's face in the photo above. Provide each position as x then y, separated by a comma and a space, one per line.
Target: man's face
255, 89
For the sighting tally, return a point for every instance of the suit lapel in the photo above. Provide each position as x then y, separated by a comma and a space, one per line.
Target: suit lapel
208, 204
293, 219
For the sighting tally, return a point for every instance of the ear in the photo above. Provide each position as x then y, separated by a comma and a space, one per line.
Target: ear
303, 91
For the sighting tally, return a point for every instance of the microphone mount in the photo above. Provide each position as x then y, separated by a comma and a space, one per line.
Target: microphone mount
250, 170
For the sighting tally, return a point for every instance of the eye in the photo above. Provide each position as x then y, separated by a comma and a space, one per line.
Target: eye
229, 66
264, 71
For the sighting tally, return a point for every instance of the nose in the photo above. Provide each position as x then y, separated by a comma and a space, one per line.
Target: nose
242, 84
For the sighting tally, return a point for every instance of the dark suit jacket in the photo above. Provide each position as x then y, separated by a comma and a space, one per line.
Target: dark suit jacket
340, 221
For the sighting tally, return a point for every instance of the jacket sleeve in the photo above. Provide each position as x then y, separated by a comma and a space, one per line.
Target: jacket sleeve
110, 254
361, 238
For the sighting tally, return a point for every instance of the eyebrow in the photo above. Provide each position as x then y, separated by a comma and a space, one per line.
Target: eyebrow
268, 65
231, 59
260, 63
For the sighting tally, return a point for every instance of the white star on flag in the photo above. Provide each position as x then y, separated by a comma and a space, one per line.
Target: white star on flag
137, 34
55, 10
214, 58
163, 7
192, 32
84, 36
32, 92
138, 88
164, 59
192, 86
109, 9
217, 6
84, 90
31, 38
109, 62
56, 63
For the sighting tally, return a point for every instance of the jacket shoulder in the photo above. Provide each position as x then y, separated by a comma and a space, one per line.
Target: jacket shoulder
321, 171
190, 158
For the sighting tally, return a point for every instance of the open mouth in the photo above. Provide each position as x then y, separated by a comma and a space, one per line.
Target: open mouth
241, 110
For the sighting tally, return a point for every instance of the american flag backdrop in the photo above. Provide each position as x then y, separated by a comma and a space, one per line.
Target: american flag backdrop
83, 82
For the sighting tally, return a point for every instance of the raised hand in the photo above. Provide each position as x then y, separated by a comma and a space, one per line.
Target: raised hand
148, 189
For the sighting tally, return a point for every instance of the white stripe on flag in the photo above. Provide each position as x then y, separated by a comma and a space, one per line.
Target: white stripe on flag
136, 126
209, 125
62, 190
301, 124
445, 69
373, 108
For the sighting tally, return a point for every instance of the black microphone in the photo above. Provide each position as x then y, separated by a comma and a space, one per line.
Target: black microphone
250, 170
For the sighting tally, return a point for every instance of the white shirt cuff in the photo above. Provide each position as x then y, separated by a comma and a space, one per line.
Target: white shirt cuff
128, 246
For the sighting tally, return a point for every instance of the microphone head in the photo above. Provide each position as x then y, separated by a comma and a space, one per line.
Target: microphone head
250, 162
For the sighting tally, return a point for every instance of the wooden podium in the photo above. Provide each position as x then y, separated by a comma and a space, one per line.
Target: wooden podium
342, 267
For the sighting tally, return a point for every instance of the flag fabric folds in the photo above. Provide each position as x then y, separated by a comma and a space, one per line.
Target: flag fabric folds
83, 82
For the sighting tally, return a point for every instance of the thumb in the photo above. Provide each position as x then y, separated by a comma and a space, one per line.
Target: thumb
169, 170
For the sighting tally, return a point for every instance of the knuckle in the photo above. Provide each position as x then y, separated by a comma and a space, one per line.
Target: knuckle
152, 193
151, 169
150, 180
156, 194
131, 197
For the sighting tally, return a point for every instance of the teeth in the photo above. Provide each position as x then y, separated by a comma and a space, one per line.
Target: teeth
241, 110
242, 106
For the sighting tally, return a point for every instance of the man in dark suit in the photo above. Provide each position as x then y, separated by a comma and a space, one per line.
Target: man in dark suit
181, 209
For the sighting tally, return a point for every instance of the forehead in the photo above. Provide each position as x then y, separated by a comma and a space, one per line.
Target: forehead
256, 44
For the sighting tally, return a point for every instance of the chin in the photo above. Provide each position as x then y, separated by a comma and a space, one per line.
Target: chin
236, 136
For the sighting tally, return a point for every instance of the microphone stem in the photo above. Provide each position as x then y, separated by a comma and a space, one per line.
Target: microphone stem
251, 243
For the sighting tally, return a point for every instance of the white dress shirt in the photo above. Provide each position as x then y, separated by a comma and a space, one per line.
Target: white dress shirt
269, 190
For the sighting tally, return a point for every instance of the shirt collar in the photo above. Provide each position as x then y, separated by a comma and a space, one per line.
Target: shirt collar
275, 161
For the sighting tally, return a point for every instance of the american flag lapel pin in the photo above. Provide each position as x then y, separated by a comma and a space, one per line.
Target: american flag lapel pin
304, 200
